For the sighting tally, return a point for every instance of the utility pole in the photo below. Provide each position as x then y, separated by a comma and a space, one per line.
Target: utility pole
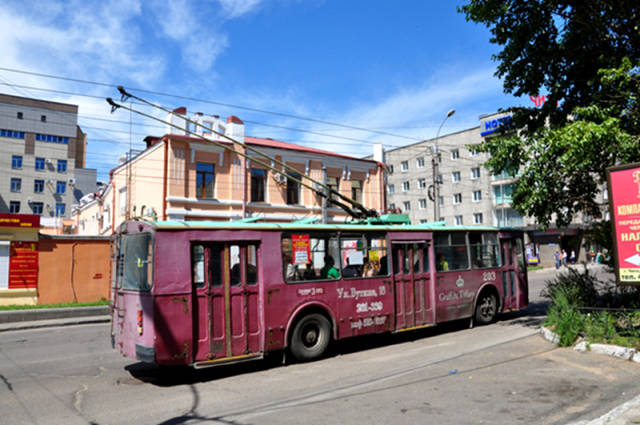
435, 161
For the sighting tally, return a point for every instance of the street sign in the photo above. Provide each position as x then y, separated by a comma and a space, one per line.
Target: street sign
623, 184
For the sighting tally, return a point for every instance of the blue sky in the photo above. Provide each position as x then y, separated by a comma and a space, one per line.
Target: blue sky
394, 66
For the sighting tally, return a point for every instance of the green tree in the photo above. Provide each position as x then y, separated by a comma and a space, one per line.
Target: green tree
585, 54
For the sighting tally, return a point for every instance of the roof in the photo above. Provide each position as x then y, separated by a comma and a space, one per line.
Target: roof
237, 225
258, 142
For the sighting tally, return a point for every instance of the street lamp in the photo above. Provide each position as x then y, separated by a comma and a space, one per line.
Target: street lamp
435, 159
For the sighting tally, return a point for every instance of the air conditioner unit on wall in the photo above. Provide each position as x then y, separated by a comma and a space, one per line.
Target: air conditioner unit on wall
48, 161
72, 181
280, 178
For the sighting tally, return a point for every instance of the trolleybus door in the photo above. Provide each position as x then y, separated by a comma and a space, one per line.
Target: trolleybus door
226, 321
414, 306
514, 281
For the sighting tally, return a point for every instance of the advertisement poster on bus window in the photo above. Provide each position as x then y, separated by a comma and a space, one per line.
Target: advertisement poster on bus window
301, 249
624, 204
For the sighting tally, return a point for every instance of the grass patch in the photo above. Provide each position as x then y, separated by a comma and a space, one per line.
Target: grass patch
598, 311
61, 305
534, 268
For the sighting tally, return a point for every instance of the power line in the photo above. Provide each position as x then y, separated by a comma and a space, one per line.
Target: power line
212, 102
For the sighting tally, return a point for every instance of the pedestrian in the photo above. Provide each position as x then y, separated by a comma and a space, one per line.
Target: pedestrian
558, 258
572, 258
564, 258
592, 254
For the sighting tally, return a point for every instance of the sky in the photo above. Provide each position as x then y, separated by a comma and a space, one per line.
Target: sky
394, 67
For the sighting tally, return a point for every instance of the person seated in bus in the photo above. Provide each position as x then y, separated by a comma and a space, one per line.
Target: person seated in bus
443, 264
350, 270
384, 266
235, 274
329, 271
309, 272
291, 270
368, 270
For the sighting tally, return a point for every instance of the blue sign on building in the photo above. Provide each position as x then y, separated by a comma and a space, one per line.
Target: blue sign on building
493, 125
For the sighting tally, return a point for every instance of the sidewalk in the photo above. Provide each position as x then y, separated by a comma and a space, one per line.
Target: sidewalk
49, 317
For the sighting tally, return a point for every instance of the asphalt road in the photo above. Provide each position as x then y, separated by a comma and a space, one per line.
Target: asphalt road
501, 373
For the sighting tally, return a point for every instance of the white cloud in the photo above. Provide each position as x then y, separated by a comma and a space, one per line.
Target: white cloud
234, 8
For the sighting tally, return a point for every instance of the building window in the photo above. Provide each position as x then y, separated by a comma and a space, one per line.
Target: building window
475, 173
61, 188
455, 176
392, 188
477, 195
12, 134
36, 208
293, 189
502, 193
39, 163
439, 179
422, 203
405, 186
440, 200
356, 190
16, 185
455, 154
38, 186
477, 218
62, 165
422, 183
457, 198
392, 206
474, 152
43, 118
458, 220
407, 206
60, 210
334, 184
404, 165
205, 180
123, 201
16, 162
258, 184
52, 139
390, 168
19, 115
14, 207
420, 162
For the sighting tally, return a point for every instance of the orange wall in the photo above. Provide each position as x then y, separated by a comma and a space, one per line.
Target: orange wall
73, 270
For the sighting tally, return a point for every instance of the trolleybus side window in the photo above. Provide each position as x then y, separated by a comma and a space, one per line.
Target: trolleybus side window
451, 251
361, 254
484, 249
197, 262
310, 256
137, 254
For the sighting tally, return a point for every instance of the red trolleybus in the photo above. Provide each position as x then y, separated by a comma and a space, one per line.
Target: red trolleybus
209, 293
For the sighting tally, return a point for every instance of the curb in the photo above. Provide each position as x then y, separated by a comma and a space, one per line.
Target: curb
38, 324
12, 316
622, 353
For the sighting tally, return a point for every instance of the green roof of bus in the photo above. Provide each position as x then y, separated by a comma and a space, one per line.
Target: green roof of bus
219, 225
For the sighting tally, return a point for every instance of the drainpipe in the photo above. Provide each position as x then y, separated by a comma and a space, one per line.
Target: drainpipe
243, 164
164, 178
113, 204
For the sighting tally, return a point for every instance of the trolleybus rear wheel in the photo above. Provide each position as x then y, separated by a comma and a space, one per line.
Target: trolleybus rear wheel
486, 308
310, 337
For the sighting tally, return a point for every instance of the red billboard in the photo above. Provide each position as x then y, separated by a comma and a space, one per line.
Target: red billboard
23, 265
624, 204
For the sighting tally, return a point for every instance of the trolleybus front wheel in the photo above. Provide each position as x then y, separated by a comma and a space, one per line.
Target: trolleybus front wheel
486, 308
310, 337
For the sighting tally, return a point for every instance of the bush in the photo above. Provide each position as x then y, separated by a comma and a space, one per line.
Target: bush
579, 304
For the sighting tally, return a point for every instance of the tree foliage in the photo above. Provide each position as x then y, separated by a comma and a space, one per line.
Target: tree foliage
586, 55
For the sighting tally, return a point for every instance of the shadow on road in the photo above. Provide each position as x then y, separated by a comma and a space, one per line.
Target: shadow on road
169, 376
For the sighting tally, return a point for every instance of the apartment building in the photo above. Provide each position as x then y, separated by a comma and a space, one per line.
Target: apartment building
42, 166
181, 176
468, 193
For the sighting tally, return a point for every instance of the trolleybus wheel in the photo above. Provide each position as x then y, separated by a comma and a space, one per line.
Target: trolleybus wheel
310, 337
486, 308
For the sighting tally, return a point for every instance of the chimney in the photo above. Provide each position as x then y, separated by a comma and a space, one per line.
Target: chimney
235, 128
378, 152
175, 120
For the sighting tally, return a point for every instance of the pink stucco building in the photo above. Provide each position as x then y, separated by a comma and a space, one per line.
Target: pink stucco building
185, 177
